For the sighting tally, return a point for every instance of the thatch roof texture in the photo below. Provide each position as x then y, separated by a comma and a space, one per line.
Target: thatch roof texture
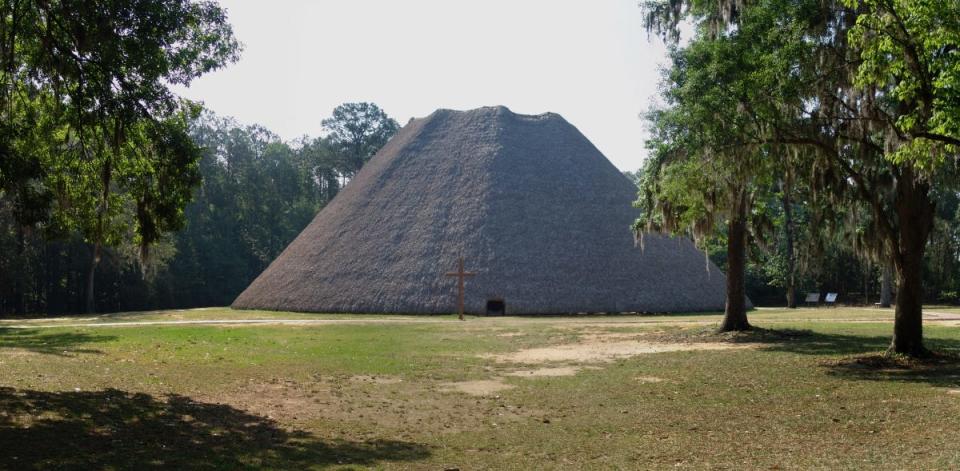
535, 210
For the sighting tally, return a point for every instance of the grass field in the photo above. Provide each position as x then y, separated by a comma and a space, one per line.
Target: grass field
162, 389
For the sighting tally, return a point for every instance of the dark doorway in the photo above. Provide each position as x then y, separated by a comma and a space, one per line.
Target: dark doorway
496, 307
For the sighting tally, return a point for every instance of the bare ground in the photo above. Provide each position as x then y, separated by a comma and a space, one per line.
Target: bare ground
557, 371
400, 405
482, 387
597, 349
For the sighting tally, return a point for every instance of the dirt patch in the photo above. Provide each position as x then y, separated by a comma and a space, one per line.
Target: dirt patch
601, 351
278, 398
558, 371
359, 406
376, 379
642, 323
611, 336
483, 387
648, 379
17, 352
954, 391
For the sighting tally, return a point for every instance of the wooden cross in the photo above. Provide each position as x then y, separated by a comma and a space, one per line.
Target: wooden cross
460, 274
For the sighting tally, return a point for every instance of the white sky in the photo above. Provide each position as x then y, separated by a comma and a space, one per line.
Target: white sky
588, 60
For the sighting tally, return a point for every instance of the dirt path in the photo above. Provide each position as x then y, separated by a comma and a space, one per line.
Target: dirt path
944, 318
236, 322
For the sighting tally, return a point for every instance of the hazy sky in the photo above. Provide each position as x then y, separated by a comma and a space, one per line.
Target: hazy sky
589, 60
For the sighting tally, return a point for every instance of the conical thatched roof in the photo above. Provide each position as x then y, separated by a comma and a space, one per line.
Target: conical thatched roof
536, 211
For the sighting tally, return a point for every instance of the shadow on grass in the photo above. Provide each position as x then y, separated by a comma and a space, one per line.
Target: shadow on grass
55, 343
808, 342
863, 357
114, 429
939, 370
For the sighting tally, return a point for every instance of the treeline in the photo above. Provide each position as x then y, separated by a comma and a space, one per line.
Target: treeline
116, 193
825, 260
256, 194
829, 262
94, 145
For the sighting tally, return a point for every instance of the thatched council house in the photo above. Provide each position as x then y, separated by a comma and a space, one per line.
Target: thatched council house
535, 210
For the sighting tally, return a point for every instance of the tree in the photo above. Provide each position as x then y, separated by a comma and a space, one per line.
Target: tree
358, 130
97, 73
908, 61
789, 232
711, 159
321, 163
635, 177
876, 103
205, 243
257, 195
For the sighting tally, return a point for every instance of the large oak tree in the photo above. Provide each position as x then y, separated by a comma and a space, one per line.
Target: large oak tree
868, 90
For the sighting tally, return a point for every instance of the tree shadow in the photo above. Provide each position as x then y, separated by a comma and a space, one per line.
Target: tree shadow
942, 370
49, 343
862, 357
808, 342
114, 429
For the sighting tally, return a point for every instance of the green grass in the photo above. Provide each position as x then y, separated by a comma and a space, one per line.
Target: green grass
376, 394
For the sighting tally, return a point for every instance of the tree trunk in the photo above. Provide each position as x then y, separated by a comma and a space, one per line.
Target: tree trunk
886, 288
908, 317
735, 314
106, 176
91, 276
915, 211
19, 302
867, 272
788, 232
